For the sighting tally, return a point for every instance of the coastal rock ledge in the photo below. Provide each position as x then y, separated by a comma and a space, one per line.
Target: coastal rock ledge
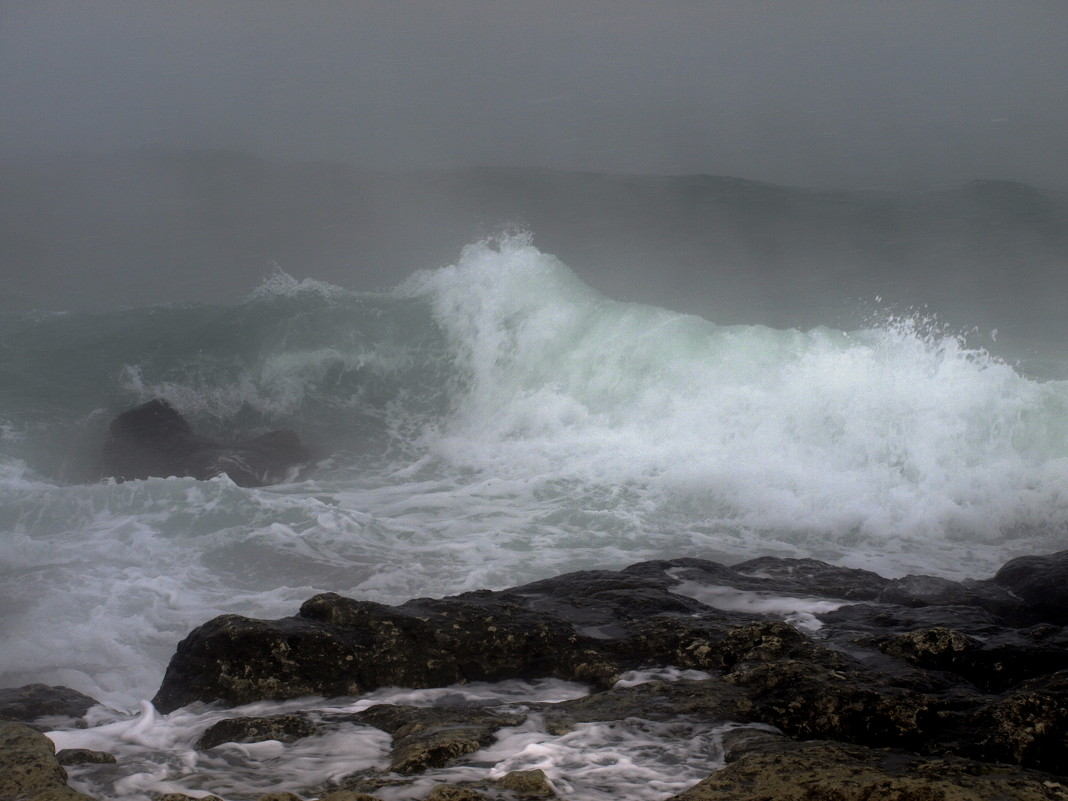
971, 676
839, 684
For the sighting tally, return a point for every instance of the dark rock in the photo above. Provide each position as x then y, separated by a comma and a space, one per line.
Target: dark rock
810, 701
452, 792
369, 782
155, 440
712, 699
239, 660
827, 771
814, 577
934, 591
940, 672
347, 795
769, 574
34, 701
83, 756
883, 619
434, 737
994, 663
285, 728
184, 797
28, 767
337, 646
1041, 582
1027, 727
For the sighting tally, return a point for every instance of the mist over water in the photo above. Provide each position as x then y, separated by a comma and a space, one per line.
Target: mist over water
160, 226
507, 417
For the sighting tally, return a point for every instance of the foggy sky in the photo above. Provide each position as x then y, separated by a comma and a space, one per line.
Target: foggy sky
822, 93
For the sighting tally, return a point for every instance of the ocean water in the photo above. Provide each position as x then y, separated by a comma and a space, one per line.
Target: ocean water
482, 424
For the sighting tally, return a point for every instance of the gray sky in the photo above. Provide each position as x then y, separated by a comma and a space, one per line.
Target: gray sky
875, 93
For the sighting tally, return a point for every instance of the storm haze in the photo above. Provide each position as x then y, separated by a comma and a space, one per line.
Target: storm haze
827, 94
763, 162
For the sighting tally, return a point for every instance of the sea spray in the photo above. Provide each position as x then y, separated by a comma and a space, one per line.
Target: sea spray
886, 439
482, 425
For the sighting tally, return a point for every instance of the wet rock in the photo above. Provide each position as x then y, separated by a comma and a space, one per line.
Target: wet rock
588, 627
369, 782
822, 771
338, 646
811, 701
812, 576
527, 784
993, 664
925, 665
451, 792
434, 737
28, 767
712, 699
936, 647
34, 701
1028, 726
239, 660
347, 795
1041, 582
279, 797
184, 797
285, 728
155, 440
84, 756
935, 591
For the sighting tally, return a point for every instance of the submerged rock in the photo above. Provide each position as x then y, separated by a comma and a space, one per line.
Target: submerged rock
154, 440
84, 756
434, 737
285, 728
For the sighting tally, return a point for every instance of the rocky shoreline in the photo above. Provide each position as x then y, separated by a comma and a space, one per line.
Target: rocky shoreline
831, 683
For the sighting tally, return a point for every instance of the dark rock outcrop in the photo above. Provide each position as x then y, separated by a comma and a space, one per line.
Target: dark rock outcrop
32, 702
769, 768
285, 728
962, 686
1040, 582
154, 440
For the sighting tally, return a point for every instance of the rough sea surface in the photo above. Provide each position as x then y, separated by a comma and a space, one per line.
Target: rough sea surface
481, 425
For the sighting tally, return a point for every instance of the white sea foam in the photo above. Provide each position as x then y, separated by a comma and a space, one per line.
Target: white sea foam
487, 424
799, 611
633, 678
158, 753
882, 447
631, 758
